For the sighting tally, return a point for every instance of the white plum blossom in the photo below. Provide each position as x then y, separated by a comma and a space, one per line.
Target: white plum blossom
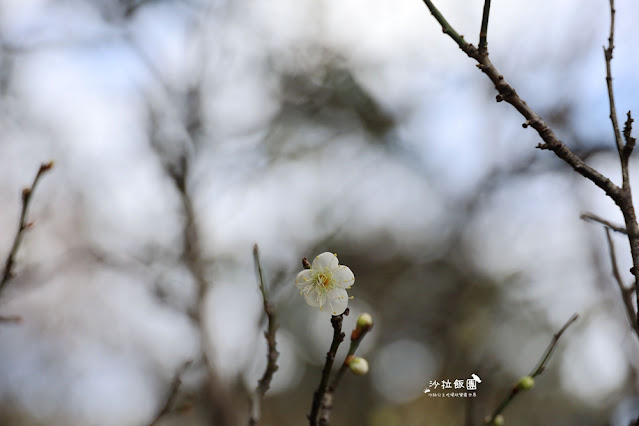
326, 283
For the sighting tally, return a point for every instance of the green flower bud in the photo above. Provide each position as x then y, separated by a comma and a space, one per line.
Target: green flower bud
498, 420
359, 366
526, 383
364, 321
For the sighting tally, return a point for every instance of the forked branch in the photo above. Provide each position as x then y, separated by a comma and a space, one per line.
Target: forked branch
620, 195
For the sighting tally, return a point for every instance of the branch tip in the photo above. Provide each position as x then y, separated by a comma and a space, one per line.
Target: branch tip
483, 32
322, 398
527, 382
446, 27
23, 225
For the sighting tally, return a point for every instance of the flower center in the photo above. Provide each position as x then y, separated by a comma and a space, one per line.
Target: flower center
324, 281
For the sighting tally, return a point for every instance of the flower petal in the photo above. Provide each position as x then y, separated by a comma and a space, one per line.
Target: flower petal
337, 293
337, 300
343, 277
325, 261
315, 299
303, 279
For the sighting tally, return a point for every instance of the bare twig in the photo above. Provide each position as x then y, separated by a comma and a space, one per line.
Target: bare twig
171, 395
539, 369
625, 204
609, 225
12, 319
551, 347
318, 396
273, 354
611, 98
507, 93
620, 195
483, 32
626, 293
326, 407
356, 339
23, 225
446, 27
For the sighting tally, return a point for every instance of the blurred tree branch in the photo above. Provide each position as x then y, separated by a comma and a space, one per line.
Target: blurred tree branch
539, 369
171, 395
217, 397
23, 225
272, 355
609, 225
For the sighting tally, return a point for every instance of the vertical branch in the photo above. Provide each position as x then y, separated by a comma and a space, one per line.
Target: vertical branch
23, 225
356, 338
626, 293
611, 97
218, 400
625, 202
483, 32
318, 396
357, 335
271, 359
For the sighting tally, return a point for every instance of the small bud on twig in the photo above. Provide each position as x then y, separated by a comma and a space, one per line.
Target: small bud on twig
526, 383
305, 263
358, 366
363, 325
44, 167
499, 420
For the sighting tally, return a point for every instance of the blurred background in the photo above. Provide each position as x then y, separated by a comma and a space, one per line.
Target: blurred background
185, 131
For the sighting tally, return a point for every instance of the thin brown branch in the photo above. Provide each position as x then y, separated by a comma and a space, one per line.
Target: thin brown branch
171, 396
626, 293
326, 407
508, 94
539, 369
318, 396
271, 359
23, 225
356, 339
611, 97
446, 27
622, 196
593, 217
625, 203
551, 347
483, 32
